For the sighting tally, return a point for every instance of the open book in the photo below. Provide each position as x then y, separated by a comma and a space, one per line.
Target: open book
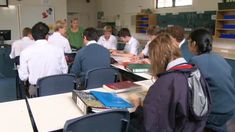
119, 87
138, 67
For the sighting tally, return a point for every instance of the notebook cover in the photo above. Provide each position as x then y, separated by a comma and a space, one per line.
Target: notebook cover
121, 86
111, 100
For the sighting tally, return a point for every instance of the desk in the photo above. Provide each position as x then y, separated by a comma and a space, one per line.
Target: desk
14, 117
51, 112
121, 67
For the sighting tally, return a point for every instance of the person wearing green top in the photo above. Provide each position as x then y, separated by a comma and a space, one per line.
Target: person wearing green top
75, 36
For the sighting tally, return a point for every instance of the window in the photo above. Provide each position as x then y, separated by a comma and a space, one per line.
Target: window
164, 3
173, 3
183, 2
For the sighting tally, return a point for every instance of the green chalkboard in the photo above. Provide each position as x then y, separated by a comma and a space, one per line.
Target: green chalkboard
188, 20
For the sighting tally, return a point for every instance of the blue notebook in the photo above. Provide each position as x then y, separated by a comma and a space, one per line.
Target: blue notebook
111, 100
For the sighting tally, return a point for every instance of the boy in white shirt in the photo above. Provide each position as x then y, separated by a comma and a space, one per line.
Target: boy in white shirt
20, 45
108, 40
58, 37
132, 44
151, 32
41, 59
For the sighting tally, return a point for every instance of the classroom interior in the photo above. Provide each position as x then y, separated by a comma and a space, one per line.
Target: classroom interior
97, 14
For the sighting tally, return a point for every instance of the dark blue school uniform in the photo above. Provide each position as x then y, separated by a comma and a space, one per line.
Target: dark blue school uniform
185, 51
90, 57
218, 74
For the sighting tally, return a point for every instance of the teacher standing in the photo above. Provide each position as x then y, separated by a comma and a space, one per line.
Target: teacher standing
75, 34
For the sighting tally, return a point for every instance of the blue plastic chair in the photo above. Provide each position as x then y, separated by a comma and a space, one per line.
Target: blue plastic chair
96, 78
7, 89
6, 63
107, 121
56, 84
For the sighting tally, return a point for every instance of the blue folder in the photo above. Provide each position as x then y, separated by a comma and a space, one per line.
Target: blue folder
111, 100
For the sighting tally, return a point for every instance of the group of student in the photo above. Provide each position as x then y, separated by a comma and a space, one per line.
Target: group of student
165, 107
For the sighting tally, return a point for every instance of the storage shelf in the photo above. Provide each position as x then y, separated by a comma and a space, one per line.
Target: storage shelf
221, 22
225, 29
145, 19
227, 10
225, 19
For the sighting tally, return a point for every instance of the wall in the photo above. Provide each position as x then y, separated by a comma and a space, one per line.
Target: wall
127, 12
15, 22
86, 12
60, 6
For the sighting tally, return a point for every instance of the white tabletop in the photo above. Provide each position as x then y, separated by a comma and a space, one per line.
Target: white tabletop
51, 112
14, 117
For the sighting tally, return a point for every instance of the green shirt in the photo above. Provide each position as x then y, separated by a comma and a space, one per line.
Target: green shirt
75, 38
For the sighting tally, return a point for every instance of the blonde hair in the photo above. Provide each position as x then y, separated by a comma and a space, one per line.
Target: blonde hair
59, 24
107, 28
162, 50
74, 19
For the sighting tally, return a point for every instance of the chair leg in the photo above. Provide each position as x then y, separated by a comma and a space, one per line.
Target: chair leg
124, 125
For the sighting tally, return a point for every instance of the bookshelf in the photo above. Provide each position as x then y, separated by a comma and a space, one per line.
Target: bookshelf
143, 21
225, 24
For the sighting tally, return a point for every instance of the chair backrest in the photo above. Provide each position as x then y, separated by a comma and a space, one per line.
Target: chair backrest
6, 63
107, 121
56, 84
98, 77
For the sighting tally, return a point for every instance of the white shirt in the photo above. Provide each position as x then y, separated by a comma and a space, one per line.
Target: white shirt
132, 46
111, 43
40, 60
91, 42
181, 43
57, 39
145, 51
19, 45
175, 63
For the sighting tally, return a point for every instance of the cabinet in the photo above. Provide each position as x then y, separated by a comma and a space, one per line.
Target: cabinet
143, 21
225, 24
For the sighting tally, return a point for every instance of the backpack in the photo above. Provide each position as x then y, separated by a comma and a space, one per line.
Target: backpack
199, 99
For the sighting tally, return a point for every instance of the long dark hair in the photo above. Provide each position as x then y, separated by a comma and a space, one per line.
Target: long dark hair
203, 39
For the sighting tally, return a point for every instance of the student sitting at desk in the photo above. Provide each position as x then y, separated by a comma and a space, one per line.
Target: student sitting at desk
178, 33
58, 37
166, 105
131, 47
151, 33
218, 73
91, 56
41, 59
108, 40
19, 45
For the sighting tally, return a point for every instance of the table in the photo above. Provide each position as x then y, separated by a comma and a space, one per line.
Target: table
14, 117
121, 67
51, 112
